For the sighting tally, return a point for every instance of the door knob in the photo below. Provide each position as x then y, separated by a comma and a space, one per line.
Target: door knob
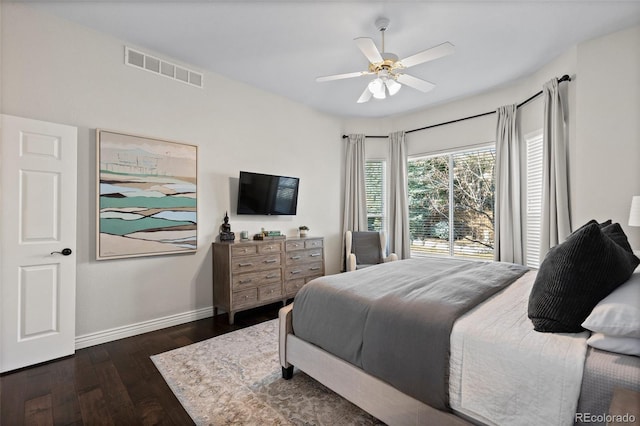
64, 252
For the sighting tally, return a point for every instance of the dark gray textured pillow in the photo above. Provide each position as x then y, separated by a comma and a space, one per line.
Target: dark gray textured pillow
574, 276
602, 225
615, 232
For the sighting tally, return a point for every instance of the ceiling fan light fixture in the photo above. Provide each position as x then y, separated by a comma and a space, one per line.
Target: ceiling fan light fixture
392, 86
380, 95
377, 88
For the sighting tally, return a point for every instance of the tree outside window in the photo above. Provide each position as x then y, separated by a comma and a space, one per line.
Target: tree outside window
458, 189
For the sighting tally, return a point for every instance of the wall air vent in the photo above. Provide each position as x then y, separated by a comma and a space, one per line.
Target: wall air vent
141, 60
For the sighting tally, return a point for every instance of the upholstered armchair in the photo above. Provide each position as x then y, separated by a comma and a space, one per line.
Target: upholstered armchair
365, 248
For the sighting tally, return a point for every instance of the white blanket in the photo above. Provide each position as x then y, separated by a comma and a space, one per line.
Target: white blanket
502, 372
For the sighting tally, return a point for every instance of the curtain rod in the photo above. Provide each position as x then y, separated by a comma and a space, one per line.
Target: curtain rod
560, 80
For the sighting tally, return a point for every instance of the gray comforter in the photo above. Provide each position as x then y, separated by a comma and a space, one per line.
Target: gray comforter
394, 320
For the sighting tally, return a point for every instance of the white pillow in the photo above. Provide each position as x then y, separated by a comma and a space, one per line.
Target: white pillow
621, 345
618, 314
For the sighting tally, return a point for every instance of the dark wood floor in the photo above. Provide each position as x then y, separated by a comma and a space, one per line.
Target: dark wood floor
115, 383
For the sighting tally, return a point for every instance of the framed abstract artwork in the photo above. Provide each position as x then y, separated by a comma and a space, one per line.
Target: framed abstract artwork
146, 196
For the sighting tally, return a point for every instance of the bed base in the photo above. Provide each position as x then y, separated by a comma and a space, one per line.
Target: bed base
367, 392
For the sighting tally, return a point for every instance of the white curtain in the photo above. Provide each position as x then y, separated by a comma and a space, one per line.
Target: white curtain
355, 201
509, 245
398, 199
556, 223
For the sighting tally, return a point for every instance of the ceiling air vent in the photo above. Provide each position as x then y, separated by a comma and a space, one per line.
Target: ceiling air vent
141, 60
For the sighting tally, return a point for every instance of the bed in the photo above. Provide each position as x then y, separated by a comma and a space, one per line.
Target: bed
381, 338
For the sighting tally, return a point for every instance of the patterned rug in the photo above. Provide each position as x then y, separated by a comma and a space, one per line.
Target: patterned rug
235, 379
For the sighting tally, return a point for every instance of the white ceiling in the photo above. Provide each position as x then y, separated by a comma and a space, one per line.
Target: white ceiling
282, 46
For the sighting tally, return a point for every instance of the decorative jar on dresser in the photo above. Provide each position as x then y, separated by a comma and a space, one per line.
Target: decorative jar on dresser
255, 273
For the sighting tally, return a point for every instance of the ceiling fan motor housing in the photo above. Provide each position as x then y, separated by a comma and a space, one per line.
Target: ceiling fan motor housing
389, 63
382, 23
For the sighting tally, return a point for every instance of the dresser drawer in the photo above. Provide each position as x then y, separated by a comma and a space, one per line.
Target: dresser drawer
303, 256
313, 243
254, 279
315, 254
271, 291
244, 298
295, 257
255, 263
292, 286
304, 270
267, 248
295, 245
244, 250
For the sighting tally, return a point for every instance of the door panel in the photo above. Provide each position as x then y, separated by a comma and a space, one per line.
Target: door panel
38, 220
38, 304
39, 189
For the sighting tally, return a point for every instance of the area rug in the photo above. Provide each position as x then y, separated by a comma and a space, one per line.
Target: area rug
235, 379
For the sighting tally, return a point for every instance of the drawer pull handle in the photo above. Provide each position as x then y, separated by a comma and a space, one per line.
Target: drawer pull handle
271, 276
245, 264
245, 281
295, 272
246, 297
314, 254
270, 261
314, 269
295, 257
269, 247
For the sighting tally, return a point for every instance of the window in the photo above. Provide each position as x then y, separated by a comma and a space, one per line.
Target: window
455, 188
375, 190
534, 199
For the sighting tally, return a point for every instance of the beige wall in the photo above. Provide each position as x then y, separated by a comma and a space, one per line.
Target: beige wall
606, 166
58, 71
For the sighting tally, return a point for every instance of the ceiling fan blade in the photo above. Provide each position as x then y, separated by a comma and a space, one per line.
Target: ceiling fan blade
369, 49
439, 51
366, 95
416, 83
341, 76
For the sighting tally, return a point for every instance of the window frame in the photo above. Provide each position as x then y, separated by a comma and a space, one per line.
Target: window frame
451, 153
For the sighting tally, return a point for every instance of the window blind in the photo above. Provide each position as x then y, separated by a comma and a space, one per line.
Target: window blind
374, 188
534, 200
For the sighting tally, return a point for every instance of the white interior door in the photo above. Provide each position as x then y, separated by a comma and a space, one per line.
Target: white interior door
38, 222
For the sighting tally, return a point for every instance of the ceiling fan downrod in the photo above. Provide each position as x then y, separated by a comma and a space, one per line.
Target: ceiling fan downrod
381, 25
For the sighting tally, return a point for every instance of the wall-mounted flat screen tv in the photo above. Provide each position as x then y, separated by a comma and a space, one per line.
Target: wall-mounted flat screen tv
262, 194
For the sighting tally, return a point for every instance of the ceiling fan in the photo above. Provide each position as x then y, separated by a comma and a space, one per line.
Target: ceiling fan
388, 68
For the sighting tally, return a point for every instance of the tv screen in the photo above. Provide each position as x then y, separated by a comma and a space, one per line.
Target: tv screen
262, 194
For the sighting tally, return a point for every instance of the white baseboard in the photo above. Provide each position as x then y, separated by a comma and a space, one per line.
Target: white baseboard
112, 334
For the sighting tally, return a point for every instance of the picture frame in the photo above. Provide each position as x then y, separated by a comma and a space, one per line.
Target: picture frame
146, 196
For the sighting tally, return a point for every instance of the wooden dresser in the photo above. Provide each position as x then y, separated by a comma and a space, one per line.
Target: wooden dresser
255, 273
